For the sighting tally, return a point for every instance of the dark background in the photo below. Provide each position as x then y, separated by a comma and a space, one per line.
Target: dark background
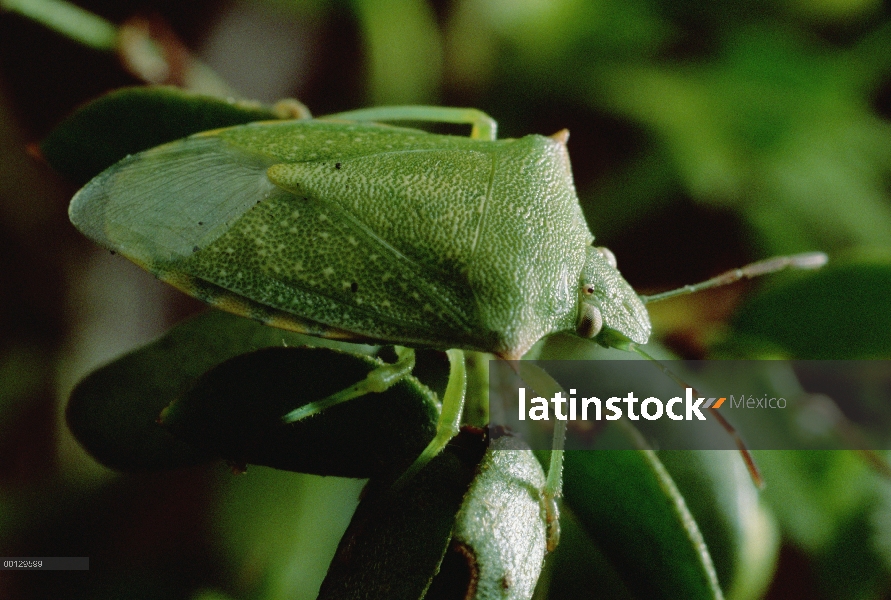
704, 135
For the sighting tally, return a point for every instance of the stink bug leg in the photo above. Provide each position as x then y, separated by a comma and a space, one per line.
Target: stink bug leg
748, 459
378, 380
545, 385
484, 126
382, 378
449, 419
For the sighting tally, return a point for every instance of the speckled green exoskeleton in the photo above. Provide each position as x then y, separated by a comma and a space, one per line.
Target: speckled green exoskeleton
345, 228
365, 231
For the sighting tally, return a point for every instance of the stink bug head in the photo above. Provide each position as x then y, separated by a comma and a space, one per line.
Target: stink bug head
610, 311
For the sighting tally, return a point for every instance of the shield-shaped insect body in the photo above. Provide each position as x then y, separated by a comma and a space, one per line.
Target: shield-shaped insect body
364, 231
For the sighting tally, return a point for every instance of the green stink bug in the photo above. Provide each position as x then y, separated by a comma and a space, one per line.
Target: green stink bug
369, 232
345, 228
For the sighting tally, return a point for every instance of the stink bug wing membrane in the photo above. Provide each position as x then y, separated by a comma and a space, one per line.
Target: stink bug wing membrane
156, 207
161, 207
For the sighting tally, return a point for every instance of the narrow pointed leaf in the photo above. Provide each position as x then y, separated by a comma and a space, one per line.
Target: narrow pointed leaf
630, 506
739, 530
130, 120
396, 540
839, 312
113, 412
235, 412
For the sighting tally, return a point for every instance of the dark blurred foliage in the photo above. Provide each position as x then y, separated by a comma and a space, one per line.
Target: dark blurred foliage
704, 135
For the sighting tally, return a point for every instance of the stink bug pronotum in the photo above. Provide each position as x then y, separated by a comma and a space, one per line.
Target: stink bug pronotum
346, 228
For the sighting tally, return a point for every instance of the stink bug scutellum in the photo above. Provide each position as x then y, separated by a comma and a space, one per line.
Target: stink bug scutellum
345, 228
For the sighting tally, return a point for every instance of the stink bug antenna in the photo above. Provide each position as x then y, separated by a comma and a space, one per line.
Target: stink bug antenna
807, 260
730, 429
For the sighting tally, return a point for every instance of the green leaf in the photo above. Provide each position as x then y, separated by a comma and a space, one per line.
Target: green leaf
276, 531
835, 509
579, 566
630, 506
853, 567
235, 412
397, 538
839, 312
113, 412
500, 534
779, 127
813, 493
739, 531
131, 120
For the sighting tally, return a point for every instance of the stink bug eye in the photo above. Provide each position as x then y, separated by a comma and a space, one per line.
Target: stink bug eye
609, 256
590, 321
